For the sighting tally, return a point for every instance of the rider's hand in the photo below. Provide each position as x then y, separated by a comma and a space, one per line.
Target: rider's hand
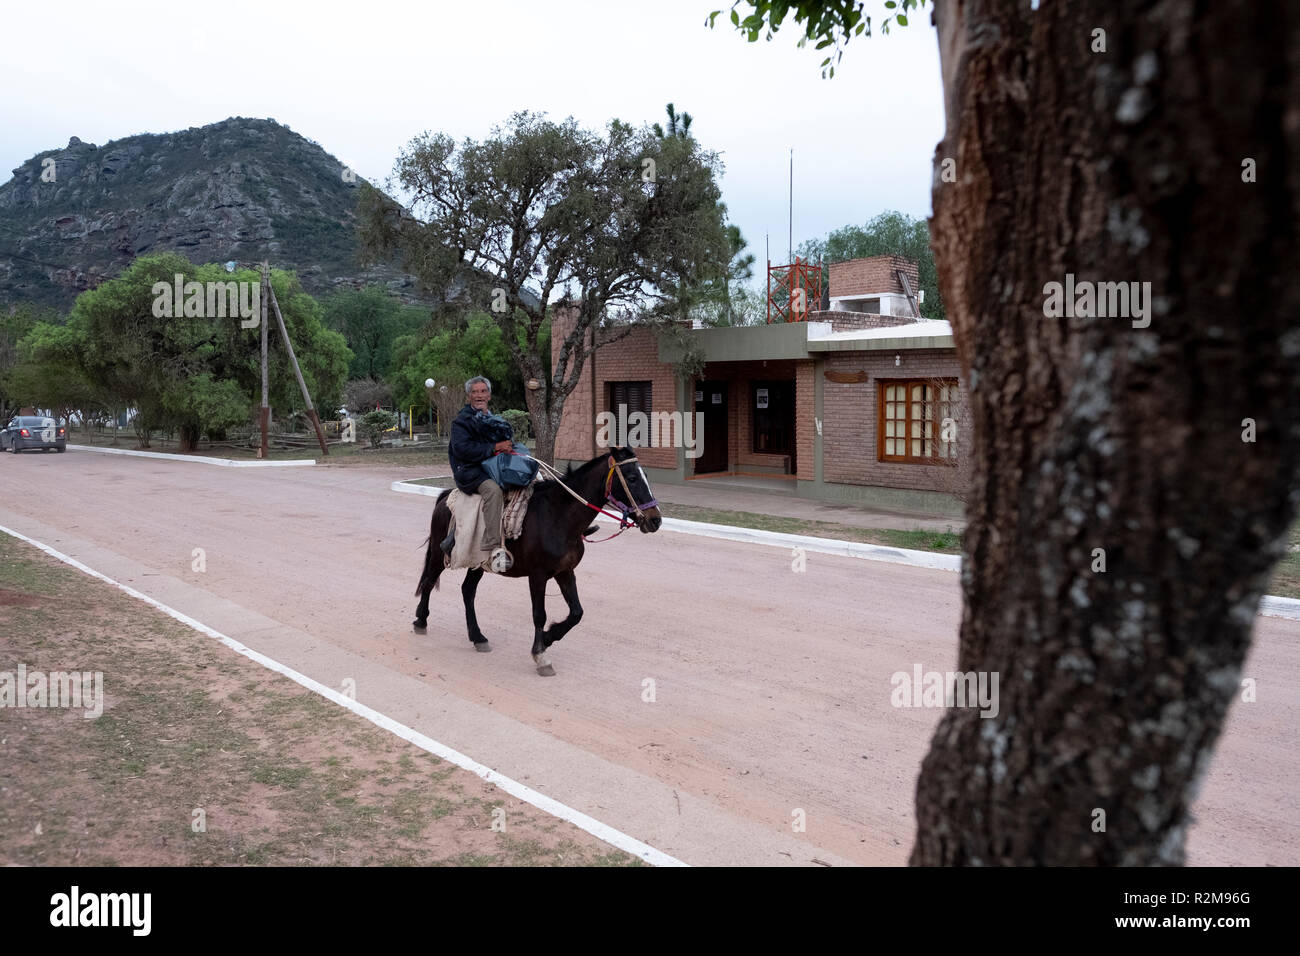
503, 446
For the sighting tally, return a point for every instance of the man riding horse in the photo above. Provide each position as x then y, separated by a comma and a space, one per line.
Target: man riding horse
468, 449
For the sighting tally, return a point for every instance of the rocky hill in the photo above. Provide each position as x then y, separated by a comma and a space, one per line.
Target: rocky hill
243, 189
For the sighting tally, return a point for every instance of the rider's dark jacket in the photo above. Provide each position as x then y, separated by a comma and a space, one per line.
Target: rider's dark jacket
473, 436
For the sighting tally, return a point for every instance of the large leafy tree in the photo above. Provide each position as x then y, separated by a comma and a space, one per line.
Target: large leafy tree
196, 374
714, 299
1134, 476
15, 323
609, 224
888, 234
48, 374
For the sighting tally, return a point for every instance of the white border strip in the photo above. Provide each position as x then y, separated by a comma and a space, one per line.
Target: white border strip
1273, 606
776, 539
201, 459
579, 819
1269, 606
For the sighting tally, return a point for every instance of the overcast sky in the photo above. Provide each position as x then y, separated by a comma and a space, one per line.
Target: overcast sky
362, 78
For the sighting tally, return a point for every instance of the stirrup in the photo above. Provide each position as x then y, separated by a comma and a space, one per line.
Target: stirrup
501, 561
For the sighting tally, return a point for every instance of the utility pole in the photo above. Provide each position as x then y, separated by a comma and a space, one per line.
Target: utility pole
293, 360
266, 406
791, 220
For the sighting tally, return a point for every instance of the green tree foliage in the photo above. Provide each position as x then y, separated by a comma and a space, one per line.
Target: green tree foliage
618, 221
725, 299
712, 297
370, 320
679, 125
888, 234
832, 23
15, 323
453, 355
47, 372
189, 374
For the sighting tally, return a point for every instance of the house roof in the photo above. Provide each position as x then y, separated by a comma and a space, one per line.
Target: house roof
803, 340
926, 334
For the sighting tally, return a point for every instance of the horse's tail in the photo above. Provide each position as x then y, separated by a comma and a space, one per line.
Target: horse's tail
433, 551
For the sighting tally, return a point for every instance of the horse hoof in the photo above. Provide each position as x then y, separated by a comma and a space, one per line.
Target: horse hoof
546, 670
419, 628
483, 647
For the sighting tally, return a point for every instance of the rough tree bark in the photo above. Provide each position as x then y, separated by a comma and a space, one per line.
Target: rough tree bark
1090, 433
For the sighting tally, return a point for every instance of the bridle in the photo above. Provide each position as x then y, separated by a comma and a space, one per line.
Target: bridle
635, 510
616, 468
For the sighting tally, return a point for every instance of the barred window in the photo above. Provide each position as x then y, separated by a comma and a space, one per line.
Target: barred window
637, 396
917, 420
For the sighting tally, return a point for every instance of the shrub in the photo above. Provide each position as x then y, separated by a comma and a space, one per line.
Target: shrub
520, 422
374, 424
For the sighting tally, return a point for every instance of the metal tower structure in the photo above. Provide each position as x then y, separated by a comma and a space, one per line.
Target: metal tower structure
793, 290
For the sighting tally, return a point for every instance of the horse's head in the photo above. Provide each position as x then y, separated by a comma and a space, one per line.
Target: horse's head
629, 489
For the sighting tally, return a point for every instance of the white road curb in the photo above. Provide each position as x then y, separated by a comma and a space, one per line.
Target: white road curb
1269, 606
1273, 606
202, 459
579, 819
775, 539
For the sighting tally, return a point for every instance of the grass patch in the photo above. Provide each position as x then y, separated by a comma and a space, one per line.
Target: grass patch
947, 542
1286, 573
202, 758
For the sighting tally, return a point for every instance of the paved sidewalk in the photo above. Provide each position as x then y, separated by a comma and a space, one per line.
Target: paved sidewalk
703, 494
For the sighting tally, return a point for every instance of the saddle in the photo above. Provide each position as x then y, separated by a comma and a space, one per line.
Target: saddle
467, 519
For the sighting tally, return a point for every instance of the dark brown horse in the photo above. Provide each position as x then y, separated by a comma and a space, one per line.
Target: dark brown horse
551, 544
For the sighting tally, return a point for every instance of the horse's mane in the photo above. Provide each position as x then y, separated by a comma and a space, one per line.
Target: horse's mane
569, 472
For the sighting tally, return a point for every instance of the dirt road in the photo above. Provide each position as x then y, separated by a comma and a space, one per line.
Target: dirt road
711, 701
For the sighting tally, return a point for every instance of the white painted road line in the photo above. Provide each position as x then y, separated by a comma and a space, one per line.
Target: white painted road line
200, 459
579, 819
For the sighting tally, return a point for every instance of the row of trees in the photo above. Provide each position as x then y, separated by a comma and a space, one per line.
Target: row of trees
192, 374
397, 347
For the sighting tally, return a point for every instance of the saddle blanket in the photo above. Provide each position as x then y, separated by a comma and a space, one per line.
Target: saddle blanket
467, 515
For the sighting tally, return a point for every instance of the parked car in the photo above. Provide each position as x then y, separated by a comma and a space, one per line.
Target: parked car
33, 431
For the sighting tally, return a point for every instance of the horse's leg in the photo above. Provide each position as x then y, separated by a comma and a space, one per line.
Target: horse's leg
433, 567
537, 588
472, 578
568, 583
427, 583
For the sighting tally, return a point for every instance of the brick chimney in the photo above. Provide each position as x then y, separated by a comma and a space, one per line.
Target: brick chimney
871, 285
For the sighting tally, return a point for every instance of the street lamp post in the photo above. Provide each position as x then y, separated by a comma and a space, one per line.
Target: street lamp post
428, 391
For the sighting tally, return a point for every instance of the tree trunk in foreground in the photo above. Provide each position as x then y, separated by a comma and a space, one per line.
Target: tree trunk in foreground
1090, 433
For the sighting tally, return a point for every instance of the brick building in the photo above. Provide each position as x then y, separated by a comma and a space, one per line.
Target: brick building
859, 402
